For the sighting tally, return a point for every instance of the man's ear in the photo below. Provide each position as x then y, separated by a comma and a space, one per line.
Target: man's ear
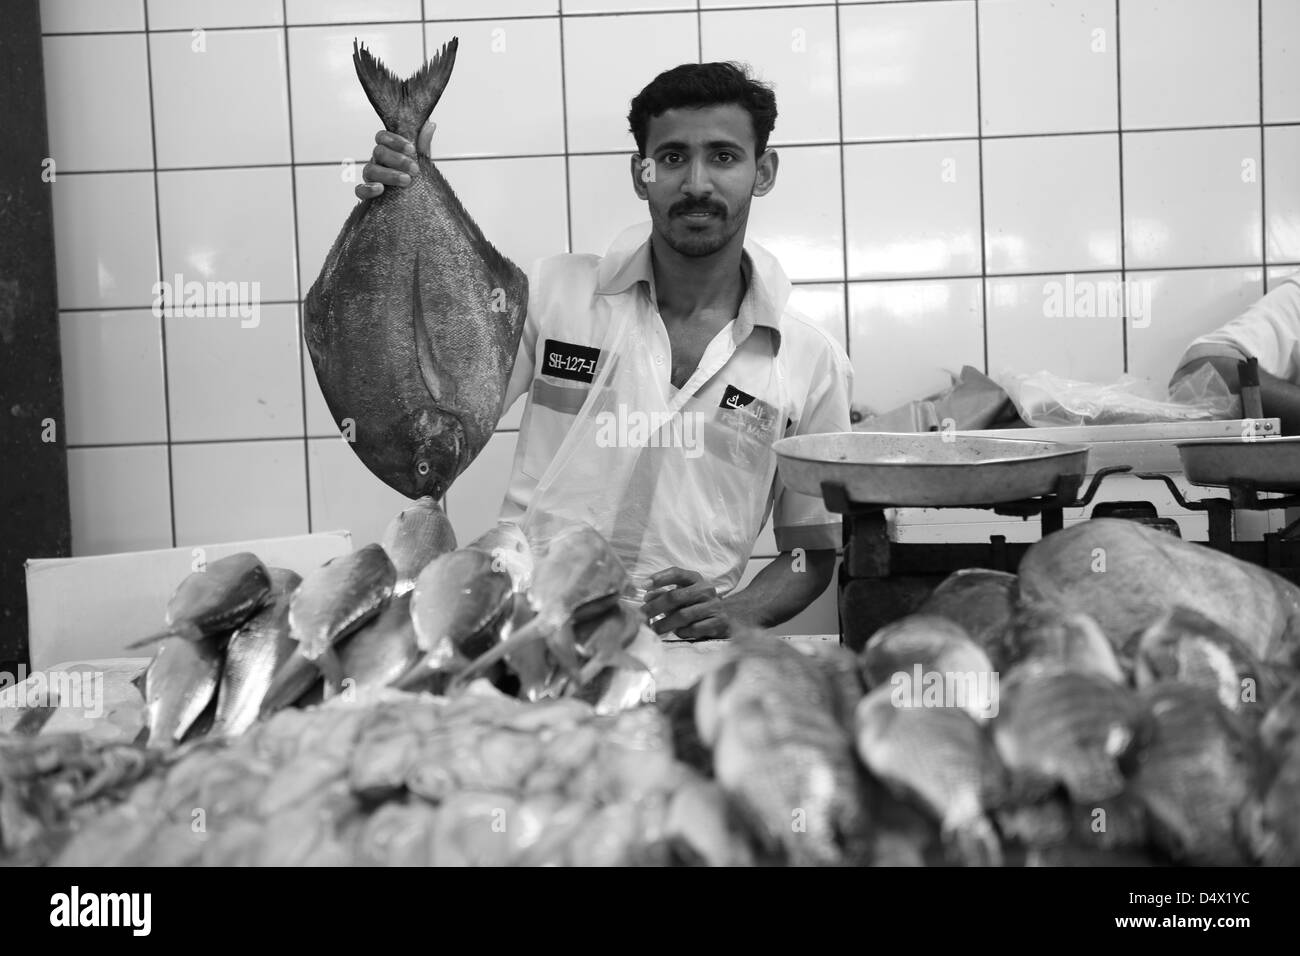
766, 176
643, 171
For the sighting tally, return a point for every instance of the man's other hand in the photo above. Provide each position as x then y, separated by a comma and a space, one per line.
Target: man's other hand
680, 601
393, 161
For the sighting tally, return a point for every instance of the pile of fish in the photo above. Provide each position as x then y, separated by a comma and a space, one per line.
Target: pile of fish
1128, 698
1073, 714
417, 780
413, 611
49, 782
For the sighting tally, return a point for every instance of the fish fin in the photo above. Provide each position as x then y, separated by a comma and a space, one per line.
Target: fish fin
526, 634
332, 670
294, 678
404, 105
186, 630
440, 384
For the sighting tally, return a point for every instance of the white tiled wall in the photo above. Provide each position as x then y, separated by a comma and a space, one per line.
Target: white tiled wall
941, 160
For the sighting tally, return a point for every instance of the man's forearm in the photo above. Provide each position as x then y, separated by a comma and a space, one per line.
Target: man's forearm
782, 589
1278, 398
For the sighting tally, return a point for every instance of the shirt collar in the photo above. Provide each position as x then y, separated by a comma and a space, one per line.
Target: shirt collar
628, 262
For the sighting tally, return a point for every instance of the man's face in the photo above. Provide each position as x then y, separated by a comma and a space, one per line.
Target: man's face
701, 175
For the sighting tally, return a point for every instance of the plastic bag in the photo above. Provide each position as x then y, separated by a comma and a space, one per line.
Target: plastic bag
1045, 400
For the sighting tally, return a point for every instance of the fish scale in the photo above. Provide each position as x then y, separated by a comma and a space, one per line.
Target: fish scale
415, 319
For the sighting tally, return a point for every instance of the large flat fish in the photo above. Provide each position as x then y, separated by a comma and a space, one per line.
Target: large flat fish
416, 536
215, 599
415, 318
256, 651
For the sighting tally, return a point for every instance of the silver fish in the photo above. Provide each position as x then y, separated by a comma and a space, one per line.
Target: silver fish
415, 537
1046, 633
579, 577
940, 757
1057, 726
178, 687
214, 600
981, 601
1198, 776
768, 715
384, 649
925, 650
1187, 646
459, 608
511, 551
256, 651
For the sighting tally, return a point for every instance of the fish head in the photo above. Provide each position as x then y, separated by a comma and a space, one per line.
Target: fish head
426, 460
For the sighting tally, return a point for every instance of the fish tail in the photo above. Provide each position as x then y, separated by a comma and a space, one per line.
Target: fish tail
529, 632
291, 681
404, 105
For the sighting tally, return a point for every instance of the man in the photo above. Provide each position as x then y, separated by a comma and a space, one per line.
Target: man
659, 375
1268, 331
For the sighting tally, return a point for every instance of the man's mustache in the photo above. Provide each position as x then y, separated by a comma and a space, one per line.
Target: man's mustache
685, 208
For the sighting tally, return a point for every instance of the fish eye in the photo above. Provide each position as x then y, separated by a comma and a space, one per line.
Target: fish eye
422, 468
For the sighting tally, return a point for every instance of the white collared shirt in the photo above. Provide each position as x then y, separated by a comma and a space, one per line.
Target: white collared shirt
572, 300
1269, 331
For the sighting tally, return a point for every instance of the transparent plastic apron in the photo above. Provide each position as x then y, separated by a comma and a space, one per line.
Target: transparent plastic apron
666, 485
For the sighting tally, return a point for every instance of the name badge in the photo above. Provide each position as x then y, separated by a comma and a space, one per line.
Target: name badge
566, 360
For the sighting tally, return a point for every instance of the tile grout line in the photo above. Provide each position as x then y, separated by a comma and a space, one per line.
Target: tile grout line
860, 280
162, 321
1123, 242
297, 273
243, 440
979, 146
564, 128
844, 198
805, 144
1263, 149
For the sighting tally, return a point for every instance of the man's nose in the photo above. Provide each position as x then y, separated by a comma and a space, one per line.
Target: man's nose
697, 182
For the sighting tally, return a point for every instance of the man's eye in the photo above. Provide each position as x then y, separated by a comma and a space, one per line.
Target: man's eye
672, 158
725, 157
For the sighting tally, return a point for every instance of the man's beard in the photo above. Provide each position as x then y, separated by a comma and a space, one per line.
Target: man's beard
699, 244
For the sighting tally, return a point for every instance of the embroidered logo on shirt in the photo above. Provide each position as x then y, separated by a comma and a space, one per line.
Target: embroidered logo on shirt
735, 398
566, 360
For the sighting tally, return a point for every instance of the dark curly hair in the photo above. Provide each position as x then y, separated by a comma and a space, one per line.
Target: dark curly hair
694, 85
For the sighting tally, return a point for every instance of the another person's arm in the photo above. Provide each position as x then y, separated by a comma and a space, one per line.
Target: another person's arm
1278, 398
